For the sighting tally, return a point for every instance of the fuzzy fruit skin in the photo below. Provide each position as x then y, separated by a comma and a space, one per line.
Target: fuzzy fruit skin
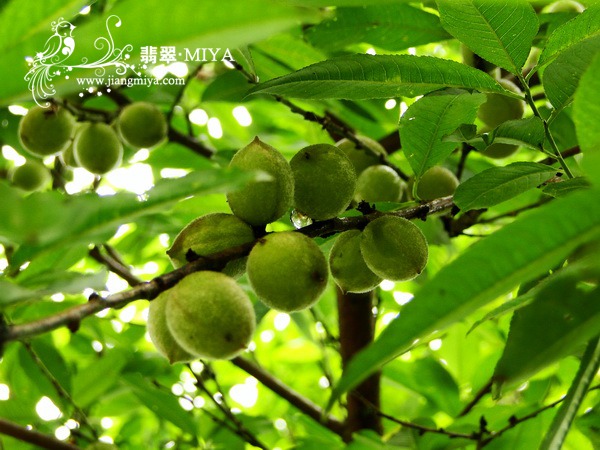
142, 125
288, 271
101, 446
97, 148
348, 266
394, 248
435, 183
212, 233
324, 181
159, 332
262, 202
564, 6
499, 108
361, 158
31, 176
379, 184
46, 131
210, 316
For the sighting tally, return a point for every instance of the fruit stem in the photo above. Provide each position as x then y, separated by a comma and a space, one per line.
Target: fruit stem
547, 131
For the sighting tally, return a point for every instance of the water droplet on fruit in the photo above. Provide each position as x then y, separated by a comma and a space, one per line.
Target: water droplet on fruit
299, 220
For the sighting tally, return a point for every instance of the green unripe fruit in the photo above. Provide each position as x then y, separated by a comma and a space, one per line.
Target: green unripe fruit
564, 6
379, 184
499, 108
68, 157
97, 148
394, 248
360, 157
324, 181
101, 446
210, 316
262, 202
435, 183
46, 131
142, 125
499, 150
31, 176
160, 335
288, 271
210, 234
348, 267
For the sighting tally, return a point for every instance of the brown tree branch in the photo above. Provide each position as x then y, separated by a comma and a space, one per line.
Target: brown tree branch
150, 289
114, 265
357, 328
309, 408
33, 437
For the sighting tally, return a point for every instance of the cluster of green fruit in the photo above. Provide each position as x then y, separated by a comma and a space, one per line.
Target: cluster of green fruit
95, 146
208, 315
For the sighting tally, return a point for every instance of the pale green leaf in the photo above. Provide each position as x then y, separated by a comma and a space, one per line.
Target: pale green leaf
499, 184
428, 120
162, 403
586, 111
585, 26
521, 251
532, 345
87, 218
21, 19
590, 363
500, 32
378, 76
96, 378
392, 27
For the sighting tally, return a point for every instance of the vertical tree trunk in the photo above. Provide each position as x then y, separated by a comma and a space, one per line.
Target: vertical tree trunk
357, 326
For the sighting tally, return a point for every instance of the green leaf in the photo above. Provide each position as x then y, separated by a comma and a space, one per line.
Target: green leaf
533, 345
498, 184
49, 283
428, 120
562, 76
583, 27
429, 378
164, 404
527, 132
20, 20
586, 110
95, 379
521, 250
566, 187
590, 363
378, 76
391, 27
228, 87
500, 32
66, 221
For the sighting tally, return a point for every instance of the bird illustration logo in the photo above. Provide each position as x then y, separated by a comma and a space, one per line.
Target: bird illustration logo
53, 60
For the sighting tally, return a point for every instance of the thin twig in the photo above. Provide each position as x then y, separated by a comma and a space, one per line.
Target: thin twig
309, 408
115, 266
242, 431
486, 389
62, 393
33, 437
